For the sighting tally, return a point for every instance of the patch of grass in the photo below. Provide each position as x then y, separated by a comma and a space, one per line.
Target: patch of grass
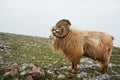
27, 49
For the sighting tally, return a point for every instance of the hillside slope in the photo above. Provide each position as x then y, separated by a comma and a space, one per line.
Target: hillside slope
23, 51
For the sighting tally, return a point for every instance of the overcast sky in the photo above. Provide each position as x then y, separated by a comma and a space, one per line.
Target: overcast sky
36, 17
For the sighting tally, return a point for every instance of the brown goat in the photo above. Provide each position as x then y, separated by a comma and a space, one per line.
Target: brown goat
75, 44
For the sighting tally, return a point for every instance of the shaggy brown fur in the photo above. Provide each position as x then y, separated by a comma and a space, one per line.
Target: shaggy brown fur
75, 44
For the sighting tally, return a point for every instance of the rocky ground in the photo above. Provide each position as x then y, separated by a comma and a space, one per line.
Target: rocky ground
32, 58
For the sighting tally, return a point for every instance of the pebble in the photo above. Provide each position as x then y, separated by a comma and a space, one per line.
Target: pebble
55, 62
86, 61
103, 77
82, 74
49, 72
50, 65
111, 65
63, 68
61, 76
69, 75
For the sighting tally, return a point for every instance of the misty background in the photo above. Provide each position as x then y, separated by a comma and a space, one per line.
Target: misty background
36, 17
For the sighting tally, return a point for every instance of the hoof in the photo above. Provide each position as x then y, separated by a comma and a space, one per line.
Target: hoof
103, 72
73, 71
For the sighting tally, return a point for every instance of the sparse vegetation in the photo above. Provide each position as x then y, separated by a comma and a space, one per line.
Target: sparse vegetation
21, 50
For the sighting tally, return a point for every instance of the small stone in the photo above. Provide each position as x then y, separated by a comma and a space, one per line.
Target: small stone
57, 72
33, 57
69, 67
23, 73
78, 75
22, 68
49, 72
82, 74
50, 58
69, 75
42, 72
103, 77
86, 61
50, 65
6, 74
55, 62
1, 62
63, 68
111, 65
98, 65
15, 64
34, 68
1, 57
61, 76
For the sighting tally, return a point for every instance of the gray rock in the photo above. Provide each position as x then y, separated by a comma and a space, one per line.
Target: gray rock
103, 77
1, 62
50, 65
69, 75
111, 65
49, 72
61, 76
69, 68
87, 61
63, 68
14, 64
82, 74
97, 65
55, 62
33, 57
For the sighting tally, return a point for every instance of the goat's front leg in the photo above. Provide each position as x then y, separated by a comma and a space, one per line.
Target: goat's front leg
74, 67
